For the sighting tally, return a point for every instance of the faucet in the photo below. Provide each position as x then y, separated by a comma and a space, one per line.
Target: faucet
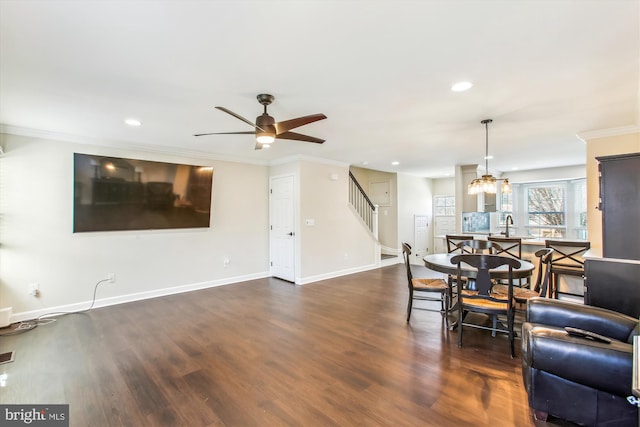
508, 220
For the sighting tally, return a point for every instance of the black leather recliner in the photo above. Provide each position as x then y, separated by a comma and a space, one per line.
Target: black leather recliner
582, 375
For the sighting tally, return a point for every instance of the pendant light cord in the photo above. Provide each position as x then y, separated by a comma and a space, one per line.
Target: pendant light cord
486, 145
486, 148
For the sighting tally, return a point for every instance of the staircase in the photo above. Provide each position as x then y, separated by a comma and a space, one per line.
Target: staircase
367, 211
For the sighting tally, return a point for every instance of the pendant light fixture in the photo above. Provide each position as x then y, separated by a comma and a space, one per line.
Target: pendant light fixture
487, 184
506, 186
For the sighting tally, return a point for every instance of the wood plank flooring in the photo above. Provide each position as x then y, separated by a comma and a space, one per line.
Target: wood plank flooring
268, 353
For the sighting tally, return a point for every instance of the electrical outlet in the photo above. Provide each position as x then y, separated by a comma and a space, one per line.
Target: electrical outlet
226, 262
34, 289
111, 277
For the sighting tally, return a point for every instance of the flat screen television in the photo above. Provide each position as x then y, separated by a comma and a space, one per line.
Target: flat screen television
116, 194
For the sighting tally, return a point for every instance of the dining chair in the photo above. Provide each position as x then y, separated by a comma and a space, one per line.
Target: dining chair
425, 289
567, 260
510, 246
452, 247
540, 287
454, 239
476, 247
482, 299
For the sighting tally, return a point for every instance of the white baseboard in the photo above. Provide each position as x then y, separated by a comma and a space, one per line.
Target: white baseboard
138, 296
333, 274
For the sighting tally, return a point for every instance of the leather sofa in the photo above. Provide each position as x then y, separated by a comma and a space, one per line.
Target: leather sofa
582, 375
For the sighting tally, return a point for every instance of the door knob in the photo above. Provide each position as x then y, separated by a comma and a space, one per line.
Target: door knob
291, 234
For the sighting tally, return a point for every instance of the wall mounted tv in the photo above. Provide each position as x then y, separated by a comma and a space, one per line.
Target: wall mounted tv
112, 193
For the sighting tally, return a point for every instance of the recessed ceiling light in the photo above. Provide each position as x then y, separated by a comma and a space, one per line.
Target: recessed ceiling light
395, 163
133, 122
515, 168
489, 157
461, 86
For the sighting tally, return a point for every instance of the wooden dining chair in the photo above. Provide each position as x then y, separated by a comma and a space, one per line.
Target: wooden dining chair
454, 239
476, 247
567, 260
425, 289
510, 246
483, 300
452, 247
541, 285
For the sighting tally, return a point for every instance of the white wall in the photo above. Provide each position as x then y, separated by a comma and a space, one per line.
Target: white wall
415, 197
37, 243
444, 186
338, 243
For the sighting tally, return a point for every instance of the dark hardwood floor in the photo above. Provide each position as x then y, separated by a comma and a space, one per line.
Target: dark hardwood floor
268, 353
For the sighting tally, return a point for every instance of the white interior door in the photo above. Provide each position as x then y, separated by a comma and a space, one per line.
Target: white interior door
421, 235
282, 233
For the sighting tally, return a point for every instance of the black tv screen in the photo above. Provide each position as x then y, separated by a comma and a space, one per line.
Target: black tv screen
112, 193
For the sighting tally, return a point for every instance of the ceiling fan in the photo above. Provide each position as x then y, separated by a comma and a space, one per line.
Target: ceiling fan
266, 128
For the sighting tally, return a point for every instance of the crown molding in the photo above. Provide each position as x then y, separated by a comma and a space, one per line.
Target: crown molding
123, 145
605, 133
79, 139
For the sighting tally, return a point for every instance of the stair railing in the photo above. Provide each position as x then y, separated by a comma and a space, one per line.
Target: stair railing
363, 205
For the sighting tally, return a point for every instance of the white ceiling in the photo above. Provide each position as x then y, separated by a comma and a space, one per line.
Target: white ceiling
380, 70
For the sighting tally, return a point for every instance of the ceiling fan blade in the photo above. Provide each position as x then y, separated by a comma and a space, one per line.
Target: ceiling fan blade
294, 123
238, 116
226, 133
299, 137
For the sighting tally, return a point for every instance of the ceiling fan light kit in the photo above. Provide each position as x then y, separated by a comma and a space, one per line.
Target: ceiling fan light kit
267, 130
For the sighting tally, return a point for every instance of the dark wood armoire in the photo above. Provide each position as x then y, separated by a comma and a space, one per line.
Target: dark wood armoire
613, 281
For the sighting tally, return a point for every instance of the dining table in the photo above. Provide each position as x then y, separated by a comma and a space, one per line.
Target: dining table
442, 264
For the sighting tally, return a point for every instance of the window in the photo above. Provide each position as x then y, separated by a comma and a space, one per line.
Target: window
581, 209
445, 205
505, 208
556, 209
546, 211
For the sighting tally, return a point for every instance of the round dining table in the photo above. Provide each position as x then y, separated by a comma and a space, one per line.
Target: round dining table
442, 264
